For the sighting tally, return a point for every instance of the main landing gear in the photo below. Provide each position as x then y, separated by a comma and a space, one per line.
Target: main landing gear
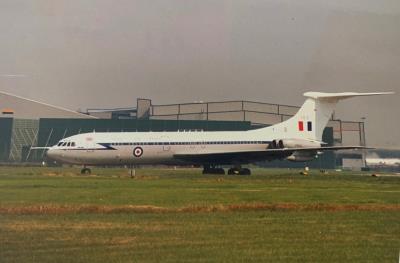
237, 170
213, 170
86, 170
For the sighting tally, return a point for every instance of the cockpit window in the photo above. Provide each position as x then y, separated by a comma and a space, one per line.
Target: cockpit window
64, 144
73, 144
59, 144
68, 144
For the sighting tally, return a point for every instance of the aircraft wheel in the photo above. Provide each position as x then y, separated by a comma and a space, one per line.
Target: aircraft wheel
86, 171
213, 171
219, 171
233, 171
206, 171
245, 171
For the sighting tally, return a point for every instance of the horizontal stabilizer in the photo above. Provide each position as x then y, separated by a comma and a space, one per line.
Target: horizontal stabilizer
342, 95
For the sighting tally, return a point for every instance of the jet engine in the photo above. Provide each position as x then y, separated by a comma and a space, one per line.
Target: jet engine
293, 143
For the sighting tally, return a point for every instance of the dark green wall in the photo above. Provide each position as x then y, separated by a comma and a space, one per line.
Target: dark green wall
6, 125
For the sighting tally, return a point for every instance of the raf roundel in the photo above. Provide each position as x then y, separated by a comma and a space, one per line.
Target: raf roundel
137, 152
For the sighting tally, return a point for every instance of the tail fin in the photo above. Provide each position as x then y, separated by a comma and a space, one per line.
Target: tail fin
310, 121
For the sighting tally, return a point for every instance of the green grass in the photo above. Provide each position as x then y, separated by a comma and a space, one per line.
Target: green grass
253, 234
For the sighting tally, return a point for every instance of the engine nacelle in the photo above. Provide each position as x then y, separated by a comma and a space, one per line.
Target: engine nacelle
295, 143
302, 156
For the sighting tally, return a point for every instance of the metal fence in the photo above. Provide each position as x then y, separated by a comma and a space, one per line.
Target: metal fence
258, 113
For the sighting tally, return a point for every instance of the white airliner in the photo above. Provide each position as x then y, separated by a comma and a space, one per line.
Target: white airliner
297, 139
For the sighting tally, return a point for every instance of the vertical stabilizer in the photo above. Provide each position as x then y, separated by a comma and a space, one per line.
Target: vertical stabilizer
312, 118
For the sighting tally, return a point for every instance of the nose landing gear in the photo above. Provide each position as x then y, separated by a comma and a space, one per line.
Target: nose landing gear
86, 170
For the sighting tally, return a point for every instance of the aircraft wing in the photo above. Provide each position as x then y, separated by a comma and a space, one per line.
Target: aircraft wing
40, 148
325, 148
254, 156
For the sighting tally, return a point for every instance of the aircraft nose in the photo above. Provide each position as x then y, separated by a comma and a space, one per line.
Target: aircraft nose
52, 154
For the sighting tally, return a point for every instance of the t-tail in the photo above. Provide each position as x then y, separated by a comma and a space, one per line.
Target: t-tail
312, 118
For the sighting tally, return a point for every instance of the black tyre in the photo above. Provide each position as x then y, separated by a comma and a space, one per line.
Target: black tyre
86, 171
245, 171
220, 171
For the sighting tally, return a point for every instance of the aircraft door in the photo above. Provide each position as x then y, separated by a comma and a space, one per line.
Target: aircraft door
166, 147
89, 144
203, 145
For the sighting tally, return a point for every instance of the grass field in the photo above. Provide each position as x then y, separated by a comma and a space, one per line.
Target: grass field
166, 215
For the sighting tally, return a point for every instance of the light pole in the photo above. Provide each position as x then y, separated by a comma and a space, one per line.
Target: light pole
363, 142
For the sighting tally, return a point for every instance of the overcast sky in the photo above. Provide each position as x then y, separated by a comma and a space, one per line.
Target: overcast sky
103, 53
